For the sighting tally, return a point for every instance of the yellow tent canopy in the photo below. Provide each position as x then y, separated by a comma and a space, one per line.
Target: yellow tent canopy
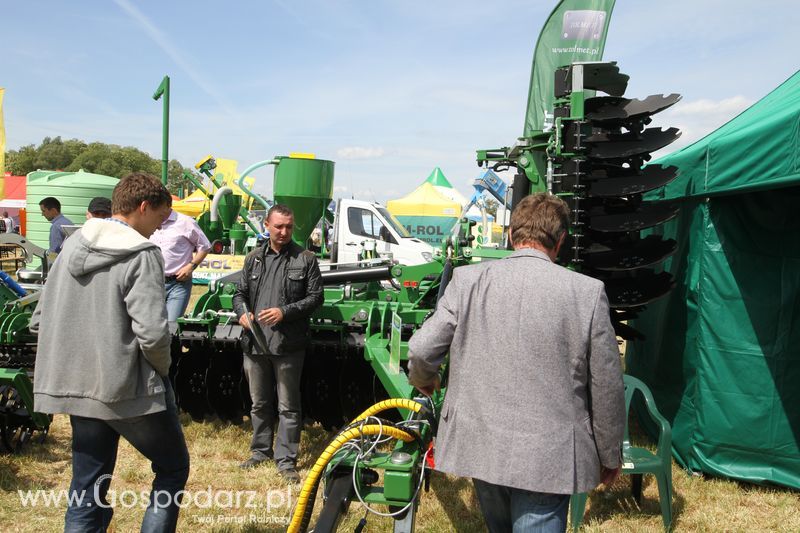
193, 205
425, 200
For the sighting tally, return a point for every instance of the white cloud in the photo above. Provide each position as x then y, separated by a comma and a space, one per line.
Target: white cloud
698, 118
339, 188
727, 107
360, 152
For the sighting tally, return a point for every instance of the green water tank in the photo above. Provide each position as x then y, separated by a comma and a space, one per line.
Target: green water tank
73, 189
306, 186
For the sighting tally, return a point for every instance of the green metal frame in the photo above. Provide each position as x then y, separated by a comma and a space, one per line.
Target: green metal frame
163, 90
21, 382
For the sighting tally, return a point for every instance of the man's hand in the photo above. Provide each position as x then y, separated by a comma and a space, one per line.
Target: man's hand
270, 316
246, 320
428, 390
185, 272
609, 475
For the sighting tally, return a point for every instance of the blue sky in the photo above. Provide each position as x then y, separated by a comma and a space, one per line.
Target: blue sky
388, 90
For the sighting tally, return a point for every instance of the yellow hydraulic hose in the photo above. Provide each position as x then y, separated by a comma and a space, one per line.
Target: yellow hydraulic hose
391, 403
309, 489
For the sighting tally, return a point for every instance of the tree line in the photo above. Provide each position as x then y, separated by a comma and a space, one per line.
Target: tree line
96, 157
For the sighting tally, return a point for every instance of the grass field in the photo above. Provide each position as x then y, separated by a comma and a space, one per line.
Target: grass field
700, 504
216, 449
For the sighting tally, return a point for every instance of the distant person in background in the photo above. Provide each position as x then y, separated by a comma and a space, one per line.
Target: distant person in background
99, 207
184, 246
51, 210
9, 224
316, 240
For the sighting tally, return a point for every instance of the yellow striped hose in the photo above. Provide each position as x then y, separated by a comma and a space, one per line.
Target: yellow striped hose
391, 403
300, 518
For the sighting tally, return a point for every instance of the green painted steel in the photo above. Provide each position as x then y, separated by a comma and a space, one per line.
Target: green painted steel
20, 381
73, 189
228, 209
163, 90
306, 186
238, 236
575, 31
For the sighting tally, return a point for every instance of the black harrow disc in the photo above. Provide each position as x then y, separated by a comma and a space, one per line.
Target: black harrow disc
357, 386
320, 383
636, 253
16, 426
223, 382
638, 290
191, 364
618, 111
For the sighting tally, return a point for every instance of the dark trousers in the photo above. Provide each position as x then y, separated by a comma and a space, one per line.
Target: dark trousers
158, 436
269, 376
507, 509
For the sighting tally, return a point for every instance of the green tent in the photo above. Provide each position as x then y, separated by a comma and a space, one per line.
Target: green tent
722, 351
438, 179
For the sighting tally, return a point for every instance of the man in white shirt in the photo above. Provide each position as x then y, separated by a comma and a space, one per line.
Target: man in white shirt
9, 224
184, 246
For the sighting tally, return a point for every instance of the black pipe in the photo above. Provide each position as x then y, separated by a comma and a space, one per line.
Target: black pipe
521, 189
337, 277
447, 273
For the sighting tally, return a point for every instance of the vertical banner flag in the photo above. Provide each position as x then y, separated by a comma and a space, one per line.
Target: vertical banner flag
2, 147
575, 31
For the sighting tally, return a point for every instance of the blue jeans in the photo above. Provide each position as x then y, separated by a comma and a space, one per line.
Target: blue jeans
178, 294
507, 509
158, 437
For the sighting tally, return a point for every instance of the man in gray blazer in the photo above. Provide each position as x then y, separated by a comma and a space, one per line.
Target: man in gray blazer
534, 409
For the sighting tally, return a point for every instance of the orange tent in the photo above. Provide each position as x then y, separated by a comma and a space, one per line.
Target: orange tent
13, 201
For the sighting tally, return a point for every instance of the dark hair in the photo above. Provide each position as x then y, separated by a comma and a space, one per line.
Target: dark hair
540, 218
281, 210
100, 205
50, 203
135, 188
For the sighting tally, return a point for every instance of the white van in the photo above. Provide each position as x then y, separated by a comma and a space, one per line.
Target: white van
357, 223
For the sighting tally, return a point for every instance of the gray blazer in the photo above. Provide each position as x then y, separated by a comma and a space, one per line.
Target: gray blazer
535, 397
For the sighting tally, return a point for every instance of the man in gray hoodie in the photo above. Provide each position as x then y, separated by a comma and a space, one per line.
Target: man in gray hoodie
107, 365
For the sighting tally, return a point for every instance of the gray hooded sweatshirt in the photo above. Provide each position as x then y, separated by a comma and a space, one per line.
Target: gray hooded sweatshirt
103, 343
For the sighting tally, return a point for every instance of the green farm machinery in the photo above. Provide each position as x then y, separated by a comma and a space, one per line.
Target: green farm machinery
381, 456
227, 224
19, 422
303, 181
593, 157
586, 148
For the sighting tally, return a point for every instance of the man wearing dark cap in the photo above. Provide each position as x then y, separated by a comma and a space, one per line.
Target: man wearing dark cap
99, 207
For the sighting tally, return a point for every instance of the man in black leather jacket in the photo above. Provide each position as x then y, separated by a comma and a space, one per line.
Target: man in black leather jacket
279, 289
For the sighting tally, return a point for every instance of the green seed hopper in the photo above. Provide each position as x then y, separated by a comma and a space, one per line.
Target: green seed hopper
301, 182
305, 185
